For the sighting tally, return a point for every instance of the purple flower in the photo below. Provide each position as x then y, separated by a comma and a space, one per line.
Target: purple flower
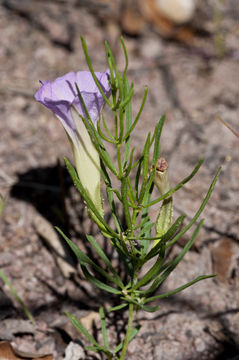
61, 97
61, 94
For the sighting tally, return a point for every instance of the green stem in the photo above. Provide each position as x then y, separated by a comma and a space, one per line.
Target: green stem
120, 174
134, 218
129, 330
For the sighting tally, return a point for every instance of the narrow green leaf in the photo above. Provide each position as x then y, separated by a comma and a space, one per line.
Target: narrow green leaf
144, 219
125, 55
113, 69
132, 336
124, 255
174, 228
84, 259
7, 282
137, 116
128, 114
129, 167
198, 213
98, 283
100, 349
121, 123
84, 47
144, 243
124, 193
110, 64
116, 308
172, 264
128, 98
110, 196
166, 237
150, 275
175, 291
19, 300
119, 81
103, 256
106, 127
146, 229
103, 328
137, 177
131, 194
83, 330
145, 169
158, 131
109, 140
149, 308
149, 188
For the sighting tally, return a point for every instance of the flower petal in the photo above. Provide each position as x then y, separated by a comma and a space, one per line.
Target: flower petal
93, 103
62, 109
45, 91
86, 82
60, 94
64, 88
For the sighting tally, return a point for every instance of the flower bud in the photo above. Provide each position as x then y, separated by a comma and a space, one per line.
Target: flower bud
161, 176
164, 218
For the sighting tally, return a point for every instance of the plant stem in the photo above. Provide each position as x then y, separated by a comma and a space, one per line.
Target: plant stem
120, 174
128, 333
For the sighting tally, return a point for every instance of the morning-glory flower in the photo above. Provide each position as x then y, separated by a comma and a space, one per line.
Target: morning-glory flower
62, 98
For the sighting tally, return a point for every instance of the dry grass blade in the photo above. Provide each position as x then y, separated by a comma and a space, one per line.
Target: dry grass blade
228, 126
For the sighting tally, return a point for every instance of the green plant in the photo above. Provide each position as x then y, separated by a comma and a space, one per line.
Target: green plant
136, 239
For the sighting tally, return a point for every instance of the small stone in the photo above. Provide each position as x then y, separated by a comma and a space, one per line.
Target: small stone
178, 11
74, 352
199, 345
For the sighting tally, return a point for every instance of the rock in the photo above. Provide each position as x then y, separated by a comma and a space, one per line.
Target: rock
10, 327
74, 352
178, 11
184, 336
